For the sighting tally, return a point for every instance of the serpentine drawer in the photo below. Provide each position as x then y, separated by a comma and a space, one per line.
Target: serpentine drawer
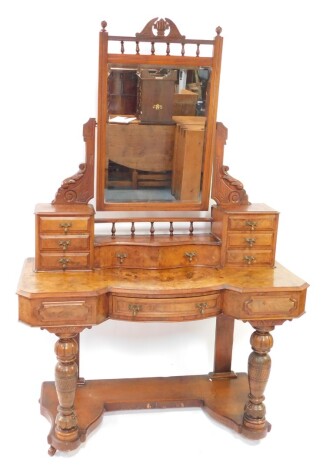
164, 309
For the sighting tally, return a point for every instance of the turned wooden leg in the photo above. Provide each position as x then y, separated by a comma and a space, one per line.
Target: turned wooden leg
66, 374
255, 425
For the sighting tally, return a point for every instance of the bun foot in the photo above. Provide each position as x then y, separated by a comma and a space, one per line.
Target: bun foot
52, 450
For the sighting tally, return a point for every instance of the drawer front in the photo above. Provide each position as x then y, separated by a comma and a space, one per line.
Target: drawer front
126, 256
156, 257
189, 255
58, 312
248, 240
264, 306
252, 222
250, 257
65, 243
67, 261
65, 225
165, 309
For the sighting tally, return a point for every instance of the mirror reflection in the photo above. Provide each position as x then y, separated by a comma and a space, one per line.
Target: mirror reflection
155, 133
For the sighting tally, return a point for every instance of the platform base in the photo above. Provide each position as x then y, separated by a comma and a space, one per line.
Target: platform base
223, 399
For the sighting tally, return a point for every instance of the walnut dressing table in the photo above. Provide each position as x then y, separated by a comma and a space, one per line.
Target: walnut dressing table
181, 258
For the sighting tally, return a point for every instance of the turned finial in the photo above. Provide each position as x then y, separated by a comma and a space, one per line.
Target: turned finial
218, 30
104, 25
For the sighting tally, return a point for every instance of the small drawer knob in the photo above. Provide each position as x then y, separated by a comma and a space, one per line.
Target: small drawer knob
249, 259
65, 226
190, 255
134, 308
250, 241
64, 261
251, 223
201, 307
121, 257
64, 244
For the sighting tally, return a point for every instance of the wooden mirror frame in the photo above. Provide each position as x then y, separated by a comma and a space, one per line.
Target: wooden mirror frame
166, 33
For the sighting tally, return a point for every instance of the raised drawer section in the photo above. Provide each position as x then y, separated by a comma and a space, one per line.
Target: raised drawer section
252, 222
165, 309
64, 243
64, 225
64, 237
248, 234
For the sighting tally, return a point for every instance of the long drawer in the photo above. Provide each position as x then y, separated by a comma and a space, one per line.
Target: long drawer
157, 257
165, 309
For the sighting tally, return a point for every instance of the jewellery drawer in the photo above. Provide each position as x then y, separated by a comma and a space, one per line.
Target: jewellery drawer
252, 222
113, 256
165, 309
250, 257
64, 225
66, 261
248, 239
64, 243
189, 255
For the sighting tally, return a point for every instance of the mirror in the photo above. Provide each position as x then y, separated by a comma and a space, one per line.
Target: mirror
155, 133
156, 121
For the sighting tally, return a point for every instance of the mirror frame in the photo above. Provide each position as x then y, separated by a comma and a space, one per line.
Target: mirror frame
167, 33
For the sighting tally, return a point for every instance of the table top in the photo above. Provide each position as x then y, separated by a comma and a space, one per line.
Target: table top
160, 282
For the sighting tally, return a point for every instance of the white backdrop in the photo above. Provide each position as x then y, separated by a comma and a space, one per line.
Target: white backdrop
272, 99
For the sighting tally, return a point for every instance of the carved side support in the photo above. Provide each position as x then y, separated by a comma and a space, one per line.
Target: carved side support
226, 190
79, 188
255, 425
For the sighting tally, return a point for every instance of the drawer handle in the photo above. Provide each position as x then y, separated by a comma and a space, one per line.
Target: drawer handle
251, 223
250, 241
201, 307
64, 262
134, 308
190, 255
65, 226
121, 257
249, 259
64, 244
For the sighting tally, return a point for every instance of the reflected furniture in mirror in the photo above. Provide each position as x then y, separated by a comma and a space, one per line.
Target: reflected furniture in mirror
171, 237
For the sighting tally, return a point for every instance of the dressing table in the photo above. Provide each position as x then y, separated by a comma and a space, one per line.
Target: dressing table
171, 237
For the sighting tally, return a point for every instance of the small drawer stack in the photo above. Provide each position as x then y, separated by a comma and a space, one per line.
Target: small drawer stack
248, 235
64, 237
